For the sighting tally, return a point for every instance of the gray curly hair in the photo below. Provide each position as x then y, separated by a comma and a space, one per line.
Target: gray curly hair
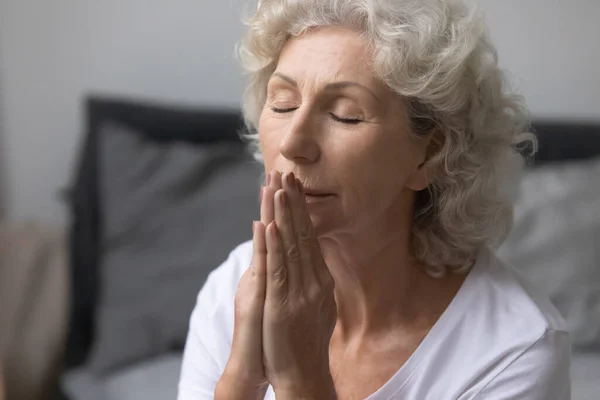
435, 54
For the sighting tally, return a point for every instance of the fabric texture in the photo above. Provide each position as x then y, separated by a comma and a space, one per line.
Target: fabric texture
33, 308
498, 339
171, 212
555, 242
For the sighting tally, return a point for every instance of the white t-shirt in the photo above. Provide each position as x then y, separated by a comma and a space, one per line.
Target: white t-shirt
498, 339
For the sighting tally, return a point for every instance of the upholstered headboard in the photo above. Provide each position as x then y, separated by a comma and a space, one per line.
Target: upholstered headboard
564, 141
158, 122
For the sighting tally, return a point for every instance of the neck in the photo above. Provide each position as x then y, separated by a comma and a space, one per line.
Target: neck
380, 285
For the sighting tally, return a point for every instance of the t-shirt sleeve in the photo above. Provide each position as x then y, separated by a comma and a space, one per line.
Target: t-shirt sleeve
209, 338
542, 372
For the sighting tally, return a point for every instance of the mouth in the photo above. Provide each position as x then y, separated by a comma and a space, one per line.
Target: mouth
312, 197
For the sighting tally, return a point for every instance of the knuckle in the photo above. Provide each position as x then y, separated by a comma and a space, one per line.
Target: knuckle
313, 294
292, 252
256, 271
251, 270
279, 273
304, 234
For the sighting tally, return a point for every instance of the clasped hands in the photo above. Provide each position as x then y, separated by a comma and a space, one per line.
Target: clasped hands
285, 310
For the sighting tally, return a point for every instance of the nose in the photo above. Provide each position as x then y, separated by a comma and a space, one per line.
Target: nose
299, 144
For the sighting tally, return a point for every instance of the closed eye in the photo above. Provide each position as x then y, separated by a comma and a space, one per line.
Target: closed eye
283, 110
350, 121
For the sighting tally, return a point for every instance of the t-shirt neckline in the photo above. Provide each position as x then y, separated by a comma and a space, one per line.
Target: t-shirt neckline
449, 317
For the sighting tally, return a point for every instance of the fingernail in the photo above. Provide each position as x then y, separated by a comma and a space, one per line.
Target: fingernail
299, 185
273, 226
269, 178
282, 198
291, 180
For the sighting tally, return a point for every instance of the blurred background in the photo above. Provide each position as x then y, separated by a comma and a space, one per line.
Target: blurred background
148, 71
53, 53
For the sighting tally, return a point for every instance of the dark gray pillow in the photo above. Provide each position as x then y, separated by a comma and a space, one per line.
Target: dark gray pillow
171, 212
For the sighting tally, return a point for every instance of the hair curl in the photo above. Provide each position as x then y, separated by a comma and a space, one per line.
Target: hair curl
437, 55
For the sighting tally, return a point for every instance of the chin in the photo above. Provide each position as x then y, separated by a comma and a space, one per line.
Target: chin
323, 223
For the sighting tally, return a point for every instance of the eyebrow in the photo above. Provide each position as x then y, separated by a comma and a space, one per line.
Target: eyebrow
330, 86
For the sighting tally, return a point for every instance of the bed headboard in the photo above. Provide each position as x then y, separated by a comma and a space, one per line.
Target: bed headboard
159, 122
566, 141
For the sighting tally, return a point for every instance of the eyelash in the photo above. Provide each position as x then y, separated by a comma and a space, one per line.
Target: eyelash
349, 121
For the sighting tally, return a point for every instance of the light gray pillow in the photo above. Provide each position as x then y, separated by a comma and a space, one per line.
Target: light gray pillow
556, 242
171, 212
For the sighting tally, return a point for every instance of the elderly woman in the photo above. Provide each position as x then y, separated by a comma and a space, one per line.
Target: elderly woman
389, 144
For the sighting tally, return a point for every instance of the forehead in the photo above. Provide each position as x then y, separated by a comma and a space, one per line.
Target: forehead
327, 54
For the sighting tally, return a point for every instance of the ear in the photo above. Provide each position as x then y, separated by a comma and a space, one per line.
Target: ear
418, 181
429, 146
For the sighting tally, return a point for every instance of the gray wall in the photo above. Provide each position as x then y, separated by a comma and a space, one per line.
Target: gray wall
552, 48
53, 52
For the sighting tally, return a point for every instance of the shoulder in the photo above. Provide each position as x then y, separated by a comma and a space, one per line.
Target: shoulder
540, 372
524, 348
499, 336
511, 314
512, 299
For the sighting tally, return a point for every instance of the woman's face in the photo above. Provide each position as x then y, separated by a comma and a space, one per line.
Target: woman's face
342, 132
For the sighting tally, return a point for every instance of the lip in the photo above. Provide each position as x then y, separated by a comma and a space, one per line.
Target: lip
312, 198
311, 191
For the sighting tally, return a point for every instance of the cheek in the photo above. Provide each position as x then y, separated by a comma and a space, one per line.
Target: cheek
374, 163
269, 136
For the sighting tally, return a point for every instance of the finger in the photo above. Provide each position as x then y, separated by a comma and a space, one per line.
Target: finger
267, 210
267, 206
302, 226
259, 255
258, 267
285, 226
277, 282
319, 267
275, 180
250, 301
